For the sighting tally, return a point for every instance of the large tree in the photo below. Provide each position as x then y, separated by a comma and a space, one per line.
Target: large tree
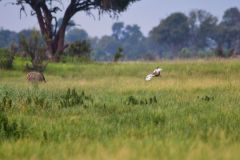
229, 31
203, 26
172, 32
46, 10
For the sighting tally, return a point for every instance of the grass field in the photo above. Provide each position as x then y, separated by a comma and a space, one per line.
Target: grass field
107, 111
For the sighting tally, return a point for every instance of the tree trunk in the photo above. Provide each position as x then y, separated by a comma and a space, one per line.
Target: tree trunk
58, 43
53, 41
55, 46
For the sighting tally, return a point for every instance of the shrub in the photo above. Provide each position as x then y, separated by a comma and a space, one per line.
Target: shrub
205, 54
224, 53
131, 100
79, 49
72, 98
6, 59
34, 47
185, 53
118, 55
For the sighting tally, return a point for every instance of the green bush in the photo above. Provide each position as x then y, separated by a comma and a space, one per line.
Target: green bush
185, 53
6, 59
80, 50
34, 47
118, 55
72, 98
131, 100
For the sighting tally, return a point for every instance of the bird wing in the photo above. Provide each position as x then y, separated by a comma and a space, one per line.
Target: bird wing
149, 77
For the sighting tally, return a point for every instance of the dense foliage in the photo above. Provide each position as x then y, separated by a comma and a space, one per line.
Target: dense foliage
79, 49
33, 47
6, 59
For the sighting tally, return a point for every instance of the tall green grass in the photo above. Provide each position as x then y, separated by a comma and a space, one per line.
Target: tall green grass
108, 111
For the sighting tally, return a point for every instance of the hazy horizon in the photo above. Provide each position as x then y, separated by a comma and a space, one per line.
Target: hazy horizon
145, 13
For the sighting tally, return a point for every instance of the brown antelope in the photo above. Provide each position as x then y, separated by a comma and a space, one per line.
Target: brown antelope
35, 77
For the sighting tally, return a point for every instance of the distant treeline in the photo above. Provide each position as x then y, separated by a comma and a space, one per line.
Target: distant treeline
198, 34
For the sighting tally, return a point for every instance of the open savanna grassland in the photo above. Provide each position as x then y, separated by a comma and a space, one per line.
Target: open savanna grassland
107, 111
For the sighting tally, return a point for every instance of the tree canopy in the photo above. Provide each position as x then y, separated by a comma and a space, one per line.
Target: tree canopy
172, 31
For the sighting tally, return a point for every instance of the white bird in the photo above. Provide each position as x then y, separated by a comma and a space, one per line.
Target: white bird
155, 73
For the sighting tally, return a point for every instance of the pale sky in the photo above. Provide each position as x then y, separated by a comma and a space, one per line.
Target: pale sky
145, 13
